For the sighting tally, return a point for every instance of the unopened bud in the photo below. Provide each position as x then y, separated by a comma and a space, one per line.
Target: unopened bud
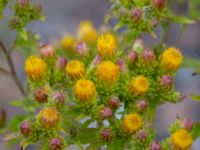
136, 15
155, 146
96, 60
105, 113
41, 95
114, 102
132, 57
82, 49
142, 105
59, 99
148, 56
2, 118
38, 7
141, 135
56, 144
138, 45
154, 23
122, 65
186, 124
106, 134
47, 51
23, 3
159, 4
166, 82
61, 63
26, 128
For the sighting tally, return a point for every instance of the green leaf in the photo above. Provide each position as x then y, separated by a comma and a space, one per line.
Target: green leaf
23, 34
116, 144
87, 135
196, 98
196, 131
192, 63
14, 123
93, 146
182, 20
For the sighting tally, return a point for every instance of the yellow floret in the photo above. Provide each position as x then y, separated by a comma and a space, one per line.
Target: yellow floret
75, 69
35, 68
171, 59
181, 140
68, 43
106, 45
84, 90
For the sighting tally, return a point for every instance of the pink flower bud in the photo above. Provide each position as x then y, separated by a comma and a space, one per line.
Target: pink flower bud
148, 55
142, 105
59, 99
106, 134
138, 45
26, 128
56, 144
141, 135
41, 95
166, 82
114, 102
122, 65
136, 15
61, 63
186, 124
159, 4
38, 7
82, 48
47, 51
2, 118
96, 60
132, 57
155, 146
106, 113
23, 3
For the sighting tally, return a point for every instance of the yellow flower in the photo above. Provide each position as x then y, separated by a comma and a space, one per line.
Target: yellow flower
84, 90
68, 43
75, 69
131, 123
106, 45
35, 68
107, 72
171, 59
139, 85
49, 117
87, 33
181, 140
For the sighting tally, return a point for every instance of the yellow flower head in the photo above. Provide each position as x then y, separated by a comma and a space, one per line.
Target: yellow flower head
68, 43
131, 123
181, 140
107, 72
75, 69
171, 59
35, 68
139, 85
84, 90
49, 117
106, 45
87, 33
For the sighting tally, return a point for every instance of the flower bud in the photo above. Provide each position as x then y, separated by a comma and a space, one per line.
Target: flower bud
141, 135
186, 124
2, 118
23, 3
138, 45
166, 82
47, 51
59, 99
56, 144
159, 4
114, 102
147, 56
49, 118
61, 63
142, 105
155, 146
154, 23
106, 113
122, 65
41, 95
38, 7
96, 61
106, 134
26, 128
136, 15
132, 57
82, 49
